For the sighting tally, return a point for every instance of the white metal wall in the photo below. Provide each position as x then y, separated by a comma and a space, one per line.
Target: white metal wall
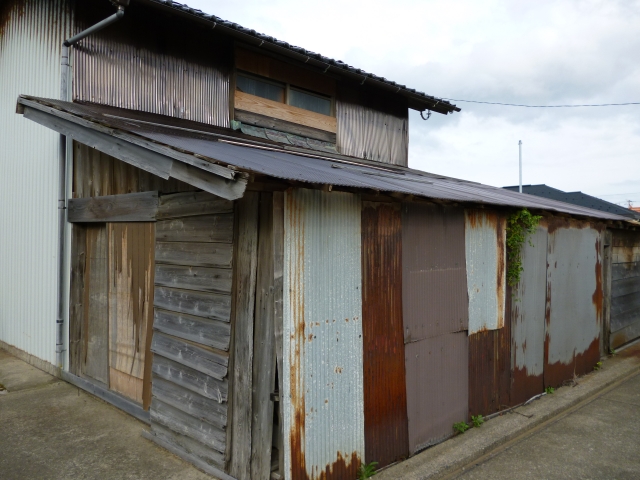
30, 42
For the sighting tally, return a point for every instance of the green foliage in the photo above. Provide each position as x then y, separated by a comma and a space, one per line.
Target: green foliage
477, 420
612, 351
461, 427
520, 226
597, 366
367, 470
549, 390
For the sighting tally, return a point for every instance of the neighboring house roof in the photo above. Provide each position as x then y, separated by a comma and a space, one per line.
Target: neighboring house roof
417, 100
575, 198
223, 151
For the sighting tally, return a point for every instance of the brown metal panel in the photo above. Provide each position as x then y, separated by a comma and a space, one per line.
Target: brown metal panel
437, 387
435, 318
434, 296
385, 395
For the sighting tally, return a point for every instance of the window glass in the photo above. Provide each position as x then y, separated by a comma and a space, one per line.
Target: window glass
260, 88
308, 101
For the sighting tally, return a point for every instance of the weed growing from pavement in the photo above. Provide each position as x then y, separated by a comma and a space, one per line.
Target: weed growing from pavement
549, 390
477, 420
461, 427
367, 470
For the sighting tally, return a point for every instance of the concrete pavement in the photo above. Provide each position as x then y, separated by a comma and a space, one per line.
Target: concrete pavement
50, 429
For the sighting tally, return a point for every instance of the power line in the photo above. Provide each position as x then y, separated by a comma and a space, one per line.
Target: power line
544, 106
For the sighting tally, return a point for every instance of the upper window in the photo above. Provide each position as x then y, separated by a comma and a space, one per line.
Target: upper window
283, 93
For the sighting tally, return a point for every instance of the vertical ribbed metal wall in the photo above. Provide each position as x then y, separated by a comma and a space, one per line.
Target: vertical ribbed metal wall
31, 34
322, 336
110, 71
485, 235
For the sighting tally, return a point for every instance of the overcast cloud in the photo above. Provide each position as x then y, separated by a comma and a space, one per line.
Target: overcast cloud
542, 52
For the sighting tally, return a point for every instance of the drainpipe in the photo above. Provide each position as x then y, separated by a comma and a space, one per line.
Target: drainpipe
63, 172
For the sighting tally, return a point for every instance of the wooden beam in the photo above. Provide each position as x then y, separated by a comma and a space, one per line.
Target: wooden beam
242, 336
264, 354
270, 108
135, 155
131, 207
209, 182
188, 204
76, 297
258, 120
278, 285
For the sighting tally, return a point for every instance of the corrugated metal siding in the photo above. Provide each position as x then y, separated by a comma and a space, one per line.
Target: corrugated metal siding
322, 335
368, 130
385, 394
31, 33
574, 301
625, 287
434, 293
435, 311
485, 235
528, 320
129, 67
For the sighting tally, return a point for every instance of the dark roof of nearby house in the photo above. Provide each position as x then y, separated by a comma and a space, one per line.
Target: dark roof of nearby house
232, 151
575, 198
417, 100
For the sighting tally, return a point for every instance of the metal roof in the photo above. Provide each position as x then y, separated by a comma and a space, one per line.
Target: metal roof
417, 100
307, 166
577, 198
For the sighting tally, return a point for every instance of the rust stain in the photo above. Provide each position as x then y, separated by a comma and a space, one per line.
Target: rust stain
525, 386
598, 294
8, 12
556, 374
500, 225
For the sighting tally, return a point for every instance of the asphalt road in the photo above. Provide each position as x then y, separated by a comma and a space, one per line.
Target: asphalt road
598, 440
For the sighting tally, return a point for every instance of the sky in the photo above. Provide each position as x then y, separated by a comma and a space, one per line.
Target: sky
537, 53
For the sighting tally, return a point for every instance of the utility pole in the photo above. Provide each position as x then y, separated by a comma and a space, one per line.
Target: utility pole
520, 152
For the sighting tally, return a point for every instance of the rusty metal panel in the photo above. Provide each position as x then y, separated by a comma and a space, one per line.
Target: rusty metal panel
574, 301
434, 293
365, 130
130, 66
437, 387
625, 287
528, 320
485, 235
385, 395
31, 35
323, 400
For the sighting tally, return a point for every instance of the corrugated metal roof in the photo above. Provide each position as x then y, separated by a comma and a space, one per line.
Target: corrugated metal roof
421, 101
221, 146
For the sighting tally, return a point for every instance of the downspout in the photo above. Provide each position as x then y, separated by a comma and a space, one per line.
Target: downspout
63, 179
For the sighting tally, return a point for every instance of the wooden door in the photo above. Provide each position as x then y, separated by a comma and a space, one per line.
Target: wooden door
131, 271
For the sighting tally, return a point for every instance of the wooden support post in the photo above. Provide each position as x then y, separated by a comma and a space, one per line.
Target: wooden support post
240, 404
278, 272
76, 297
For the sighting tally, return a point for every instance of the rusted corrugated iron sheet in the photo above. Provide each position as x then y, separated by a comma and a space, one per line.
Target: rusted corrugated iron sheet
574, 300
435, 309
434, 294
437, 387
485, 235
490, 370
625, 287
528, 320
322, 335
385, 395
130, 66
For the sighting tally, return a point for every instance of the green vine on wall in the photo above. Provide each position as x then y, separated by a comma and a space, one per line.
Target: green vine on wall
520, 226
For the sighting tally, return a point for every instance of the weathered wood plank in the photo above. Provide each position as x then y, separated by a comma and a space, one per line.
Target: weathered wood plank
205, 361
209, 455
132, 207
190, 204
283, 126
195, 254
76, 297
212, 333
208, 305
209, 182
194, 278
246, 266
190, 379
189, 402
184, 424
620, 271
625, 286
148, 357
203, 228
264, 368
96, 306
125, 384
278, 283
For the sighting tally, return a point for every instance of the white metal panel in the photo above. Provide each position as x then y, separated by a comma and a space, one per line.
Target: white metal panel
485, 236
29, 63
322, 335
